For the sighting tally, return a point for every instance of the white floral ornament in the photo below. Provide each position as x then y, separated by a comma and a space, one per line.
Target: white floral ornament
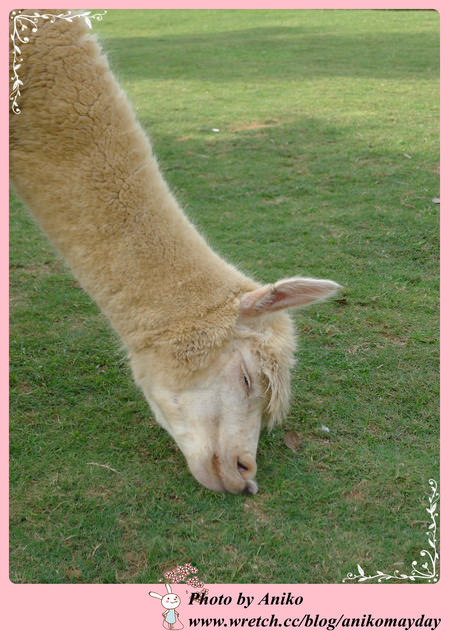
425, 571
22, 23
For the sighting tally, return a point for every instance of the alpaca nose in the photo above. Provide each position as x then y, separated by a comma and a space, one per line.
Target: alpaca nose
247, 467
231, 473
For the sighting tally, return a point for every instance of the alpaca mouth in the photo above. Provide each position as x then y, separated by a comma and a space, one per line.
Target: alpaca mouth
251, 488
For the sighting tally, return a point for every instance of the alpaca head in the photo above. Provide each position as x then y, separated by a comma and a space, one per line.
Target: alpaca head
215, 415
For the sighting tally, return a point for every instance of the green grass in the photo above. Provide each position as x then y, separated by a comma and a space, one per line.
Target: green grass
325, 164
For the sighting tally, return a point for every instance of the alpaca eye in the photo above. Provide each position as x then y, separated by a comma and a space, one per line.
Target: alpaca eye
246, 380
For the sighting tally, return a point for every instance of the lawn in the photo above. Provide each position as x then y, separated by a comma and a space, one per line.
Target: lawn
299, 142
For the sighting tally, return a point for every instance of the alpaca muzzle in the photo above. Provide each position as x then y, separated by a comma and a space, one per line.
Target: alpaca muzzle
227, 474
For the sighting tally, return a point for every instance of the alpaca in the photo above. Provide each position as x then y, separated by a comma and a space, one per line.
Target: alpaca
210, 348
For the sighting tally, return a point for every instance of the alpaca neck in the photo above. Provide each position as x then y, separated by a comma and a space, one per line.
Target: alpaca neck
84, 167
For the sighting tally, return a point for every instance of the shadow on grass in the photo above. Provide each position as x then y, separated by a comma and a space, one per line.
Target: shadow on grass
288, 182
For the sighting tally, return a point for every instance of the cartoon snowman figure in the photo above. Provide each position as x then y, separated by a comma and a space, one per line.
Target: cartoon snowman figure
170, 602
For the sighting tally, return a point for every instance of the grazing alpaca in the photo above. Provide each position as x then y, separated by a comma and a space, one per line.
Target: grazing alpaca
210, 348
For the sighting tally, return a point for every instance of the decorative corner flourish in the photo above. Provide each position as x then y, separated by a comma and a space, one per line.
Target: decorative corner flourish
426, 570
24, 23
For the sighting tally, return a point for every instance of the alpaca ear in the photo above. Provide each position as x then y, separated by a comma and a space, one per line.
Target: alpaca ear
155, 595
168, 587
294, 292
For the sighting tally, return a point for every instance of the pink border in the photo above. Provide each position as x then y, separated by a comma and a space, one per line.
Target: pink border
125, 611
